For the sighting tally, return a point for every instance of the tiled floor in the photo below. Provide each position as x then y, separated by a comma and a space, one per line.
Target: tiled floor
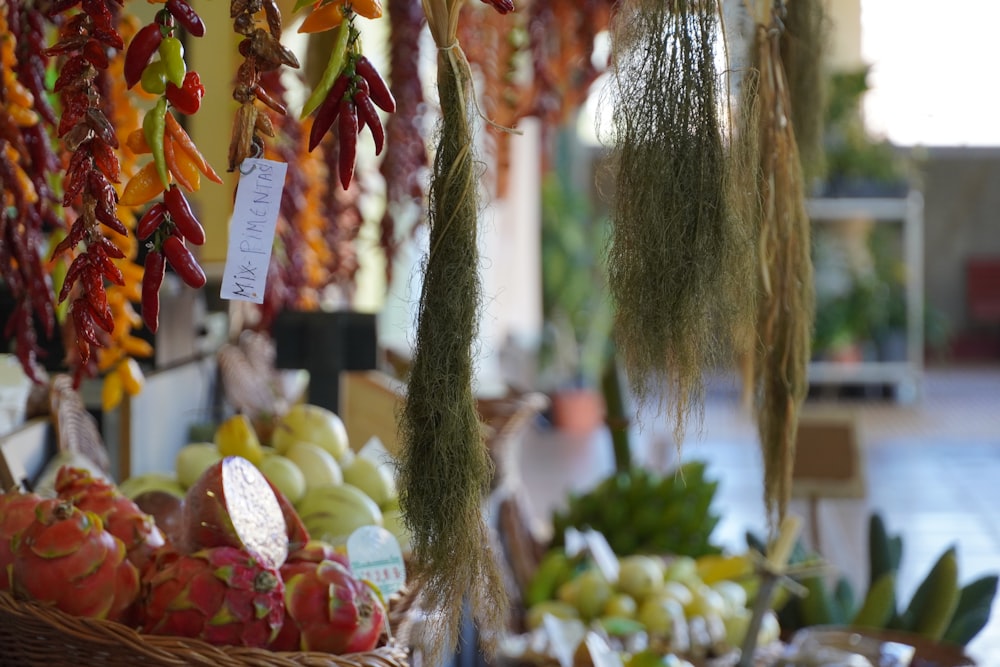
932, 468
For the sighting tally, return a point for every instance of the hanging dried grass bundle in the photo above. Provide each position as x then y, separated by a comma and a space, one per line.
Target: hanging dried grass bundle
680, 260
803, 48
785, 307
444, 468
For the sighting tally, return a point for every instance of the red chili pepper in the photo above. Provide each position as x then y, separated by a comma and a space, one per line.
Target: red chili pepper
369, 115
347, 127
96, 53
93, 290
76, 234
150, 220
76, 268
106, 160
108, 269
152, 278
187, 98
81, 163
76, 71
102, 127
74, 109
378, 90
105, 212
140, 52
266, 98
183, 217
183, 262
328, 111
83, 323
187, 17
108, 247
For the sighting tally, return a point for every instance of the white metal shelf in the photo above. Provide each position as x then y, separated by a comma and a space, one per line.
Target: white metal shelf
906, 375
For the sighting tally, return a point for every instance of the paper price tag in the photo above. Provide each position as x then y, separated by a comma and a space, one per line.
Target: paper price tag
374, 554
603, 555
251, 229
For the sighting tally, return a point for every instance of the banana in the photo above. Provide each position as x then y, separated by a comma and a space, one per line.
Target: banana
817, 605
933, 604
880, 560
843, 601
973, 611
554, 570
879, 604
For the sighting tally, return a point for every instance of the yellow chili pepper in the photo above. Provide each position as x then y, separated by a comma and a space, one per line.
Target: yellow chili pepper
131, 376
142, 187
112, 392
22, 116
136, 347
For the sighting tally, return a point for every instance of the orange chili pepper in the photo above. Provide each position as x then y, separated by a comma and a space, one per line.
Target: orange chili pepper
370, 9
142, 187
112, 392
184, 142
182, 167
136, 142
325, 17
26, 184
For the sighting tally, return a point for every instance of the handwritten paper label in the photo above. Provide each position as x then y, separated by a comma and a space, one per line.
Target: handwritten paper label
251, 230
374, 554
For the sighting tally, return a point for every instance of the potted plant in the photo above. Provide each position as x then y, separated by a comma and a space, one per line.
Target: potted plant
576, 309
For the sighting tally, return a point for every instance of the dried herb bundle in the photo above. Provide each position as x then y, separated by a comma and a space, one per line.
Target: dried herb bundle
680, 260
445, 469
785, 305
803, 46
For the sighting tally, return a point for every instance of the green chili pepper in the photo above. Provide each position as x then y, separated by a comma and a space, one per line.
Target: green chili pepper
154, 78
333, 68
172, 54
154, 125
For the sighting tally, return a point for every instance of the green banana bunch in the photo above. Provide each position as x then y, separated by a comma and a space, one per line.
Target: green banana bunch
973, 611
933, 604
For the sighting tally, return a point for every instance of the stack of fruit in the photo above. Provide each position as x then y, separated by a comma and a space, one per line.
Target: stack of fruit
307, 458
238, 569
679, 606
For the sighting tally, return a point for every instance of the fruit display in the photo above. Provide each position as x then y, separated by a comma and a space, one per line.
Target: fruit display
642, 511
656, 606
318, 479
237, 568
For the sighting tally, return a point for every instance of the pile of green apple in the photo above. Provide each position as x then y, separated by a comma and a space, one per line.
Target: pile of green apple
666, 600
309, 459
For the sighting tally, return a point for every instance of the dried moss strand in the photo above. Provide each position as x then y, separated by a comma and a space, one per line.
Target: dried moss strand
786, 307
445, 469
676, 261
803, 50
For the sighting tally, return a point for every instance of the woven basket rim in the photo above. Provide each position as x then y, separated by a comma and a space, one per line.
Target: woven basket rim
20, 620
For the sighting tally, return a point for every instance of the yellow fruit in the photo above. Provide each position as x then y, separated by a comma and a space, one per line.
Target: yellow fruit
374, 479
537, 612
621, 605
332, 513
236, 437
284, 474
712, 568
193, 460
640, 576
317, 465
311, 423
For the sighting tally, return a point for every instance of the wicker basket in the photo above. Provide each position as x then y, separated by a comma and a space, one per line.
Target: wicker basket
32, 635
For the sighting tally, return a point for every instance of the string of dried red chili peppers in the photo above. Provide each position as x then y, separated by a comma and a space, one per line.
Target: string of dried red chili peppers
26, 160
86, 40
155, 61
350, 88
262, 51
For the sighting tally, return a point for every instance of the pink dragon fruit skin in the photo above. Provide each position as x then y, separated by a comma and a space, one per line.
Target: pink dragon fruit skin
328, 609
17, 511
66, 559
221, 595
121, 517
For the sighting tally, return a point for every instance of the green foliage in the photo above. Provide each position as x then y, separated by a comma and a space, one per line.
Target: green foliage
575, 305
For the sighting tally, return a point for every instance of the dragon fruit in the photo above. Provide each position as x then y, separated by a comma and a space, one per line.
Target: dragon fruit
328, 609
232, 505
65, 558
17, 511
121, 516
315, 551
221, 595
